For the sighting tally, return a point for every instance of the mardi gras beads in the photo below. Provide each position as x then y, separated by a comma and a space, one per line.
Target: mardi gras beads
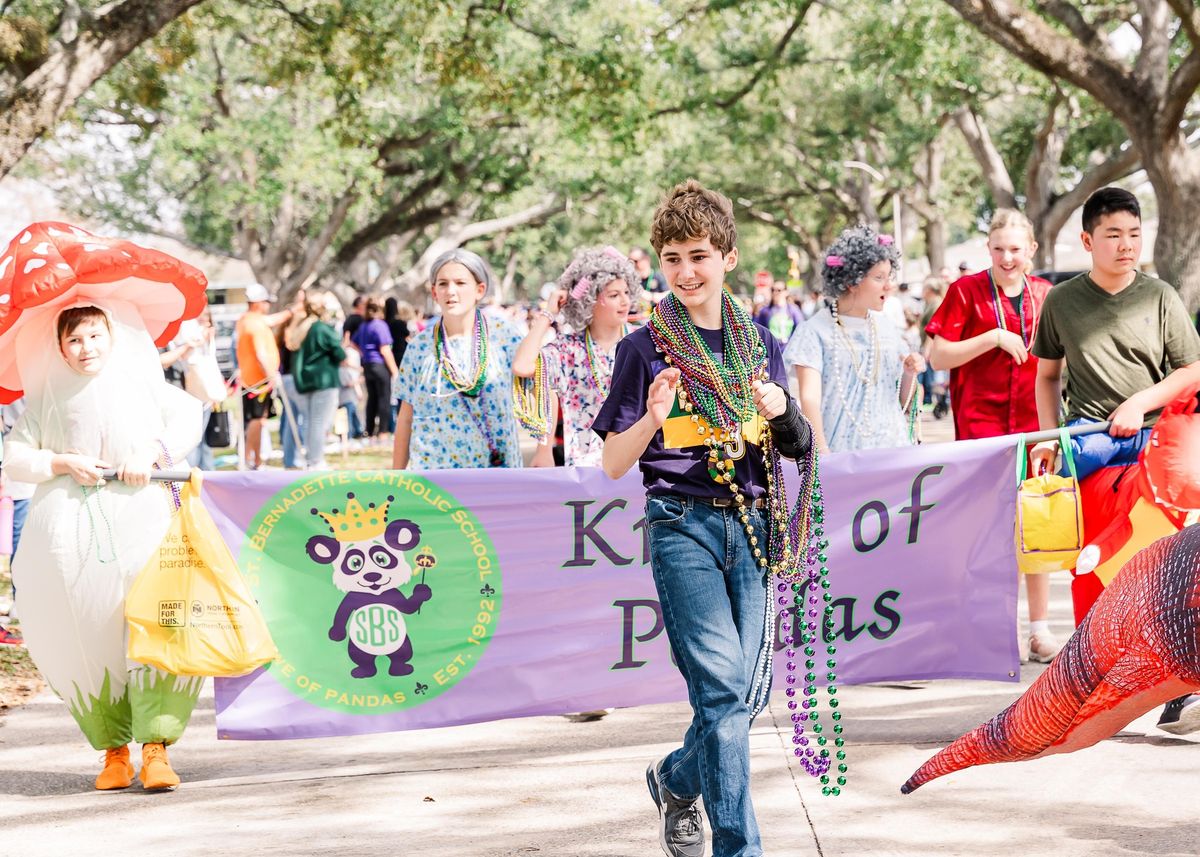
600, 380
472, 382
799, 563
720, 390
531, 401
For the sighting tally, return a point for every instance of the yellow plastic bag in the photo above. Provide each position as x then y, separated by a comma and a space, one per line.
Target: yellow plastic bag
1049, 530
189, 610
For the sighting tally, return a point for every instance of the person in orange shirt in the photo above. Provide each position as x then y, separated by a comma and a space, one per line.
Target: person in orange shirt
258, 367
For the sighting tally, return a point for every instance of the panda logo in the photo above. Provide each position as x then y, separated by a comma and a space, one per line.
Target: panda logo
365, 553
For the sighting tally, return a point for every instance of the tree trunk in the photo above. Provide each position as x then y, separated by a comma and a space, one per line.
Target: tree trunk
1174, 171
933, 218
505, 288
454, 235
75, 61
995, 173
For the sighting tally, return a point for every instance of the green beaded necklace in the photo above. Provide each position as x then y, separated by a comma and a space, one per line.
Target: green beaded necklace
721, 393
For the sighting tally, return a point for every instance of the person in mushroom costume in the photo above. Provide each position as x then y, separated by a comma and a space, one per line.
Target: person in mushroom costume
79, 319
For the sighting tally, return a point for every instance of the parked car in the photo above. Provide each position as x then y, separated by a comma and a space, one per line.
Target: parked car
225, 318
1056, 277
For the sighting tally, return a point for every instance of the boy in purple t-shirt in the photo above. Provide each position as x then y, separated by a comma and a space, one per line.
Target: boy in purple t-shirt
689, 397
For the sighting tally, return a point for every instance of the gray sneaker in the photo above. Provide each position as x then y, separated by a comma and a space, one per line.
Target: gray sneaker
680, 825
1181, 716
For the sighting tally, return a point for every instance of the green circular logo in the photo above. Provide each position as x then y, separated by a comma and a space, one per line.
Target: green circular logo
380, 589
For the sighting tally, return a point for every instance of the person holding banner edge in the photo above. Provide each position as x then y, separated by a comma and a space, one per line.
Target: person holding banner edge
1147, 333
701, 357
100, 401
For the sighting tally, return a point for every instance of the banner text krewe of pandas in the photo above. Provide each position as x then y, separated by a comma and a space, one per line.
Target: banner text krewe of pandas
404, 600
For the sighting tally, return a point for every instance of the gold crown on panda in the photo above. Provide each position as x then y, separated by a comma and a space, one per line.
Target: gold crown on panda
357, 522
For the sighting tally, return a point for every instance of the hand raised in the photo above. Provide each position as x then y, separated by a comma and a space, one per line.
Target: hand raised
556, 301
661, 395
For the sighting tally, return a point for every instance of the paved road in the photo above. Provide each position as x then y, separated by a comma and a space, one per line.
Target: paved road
546, 786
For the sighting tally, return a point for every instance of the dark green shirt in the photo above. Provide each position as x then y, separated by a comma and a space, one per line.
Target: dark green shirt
1115, 345
315, 366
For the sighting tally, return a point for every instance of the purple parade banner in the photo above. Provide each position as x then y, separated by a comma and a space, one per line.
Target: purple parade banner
403, 600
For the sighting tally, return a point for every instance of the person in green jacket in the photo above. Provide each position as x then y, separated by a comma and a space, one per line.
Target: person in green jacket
318, 353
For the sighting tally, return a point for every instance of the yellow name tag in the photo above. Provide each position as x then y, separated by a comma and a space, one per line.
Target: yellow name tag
679, 432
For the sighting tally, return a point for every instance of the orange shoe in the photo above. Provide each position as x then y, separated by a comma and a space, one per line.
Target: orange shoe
118, 772
156, 770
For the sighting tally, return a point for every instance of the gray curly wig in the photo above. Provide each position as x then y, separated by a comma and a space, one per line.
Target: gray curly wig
598, 266
855, 252
471, 261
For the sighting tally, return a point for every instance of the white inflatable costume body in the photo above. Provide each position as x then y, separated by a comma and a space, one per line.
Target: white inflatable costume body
82, 547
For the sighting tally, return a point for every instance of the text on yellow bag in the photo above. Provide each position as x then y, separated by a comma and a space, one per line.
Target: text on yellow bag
190, 611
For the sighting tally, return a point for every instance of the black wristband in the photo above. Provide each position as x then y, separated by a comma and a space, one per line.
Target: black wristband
791, 431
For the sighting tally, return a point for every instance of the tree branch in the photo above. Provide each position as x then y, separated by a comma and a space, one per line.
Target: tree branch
398, 217
317, 246
768, 64
1154, 58
1184, 81
39, 101
1031, 39
539, 212
1189, 19
979, 141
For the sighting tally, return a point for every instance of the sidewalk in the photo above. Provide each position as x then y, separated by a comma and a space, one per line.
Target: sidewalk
546, 786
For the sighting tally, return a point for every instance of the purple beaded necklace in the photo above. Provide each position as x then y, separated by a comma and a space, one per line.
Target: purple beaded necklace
720, 394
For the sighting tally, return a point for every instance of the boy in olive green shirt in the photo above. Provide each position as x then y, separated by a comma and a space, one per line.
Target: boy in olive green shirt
1120, 332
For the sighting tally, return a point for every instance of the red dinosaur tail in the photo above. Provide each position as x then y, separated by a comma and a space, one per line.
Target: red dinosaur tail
1137, 648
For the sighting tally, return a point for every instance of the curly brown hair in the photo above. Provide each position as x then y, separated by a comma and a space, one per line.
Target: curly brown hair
690, 212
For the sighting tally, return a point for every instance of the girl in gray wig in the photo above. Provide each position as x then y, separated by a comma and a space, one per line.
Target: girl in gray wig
455, 381
595, 295
855, 252
856, 375
585, 280
471, 261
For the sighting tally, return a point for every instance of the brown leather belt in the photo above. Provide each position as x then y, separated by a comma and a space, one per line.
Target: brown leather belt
729, 503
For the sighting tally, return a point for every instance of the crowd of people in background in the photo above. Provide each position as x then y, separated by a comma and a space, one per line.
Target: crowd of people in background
623, 364
447, 389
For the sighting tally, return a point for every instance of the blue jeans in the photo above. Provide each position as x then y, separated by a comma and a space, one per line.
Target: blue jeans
352, 420
202, 455
290, 450
20, 513
715, 608
315, 410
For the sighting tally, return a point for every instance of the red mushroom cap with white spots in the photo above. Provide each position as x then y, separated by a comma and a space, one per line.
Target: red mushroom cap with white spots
51, 264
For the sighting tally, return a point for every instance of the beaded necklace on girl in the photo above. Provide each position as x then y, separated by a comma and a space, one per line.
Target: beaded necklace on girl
866, 371
471, 382
531, 396
1027, 309
721, 393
